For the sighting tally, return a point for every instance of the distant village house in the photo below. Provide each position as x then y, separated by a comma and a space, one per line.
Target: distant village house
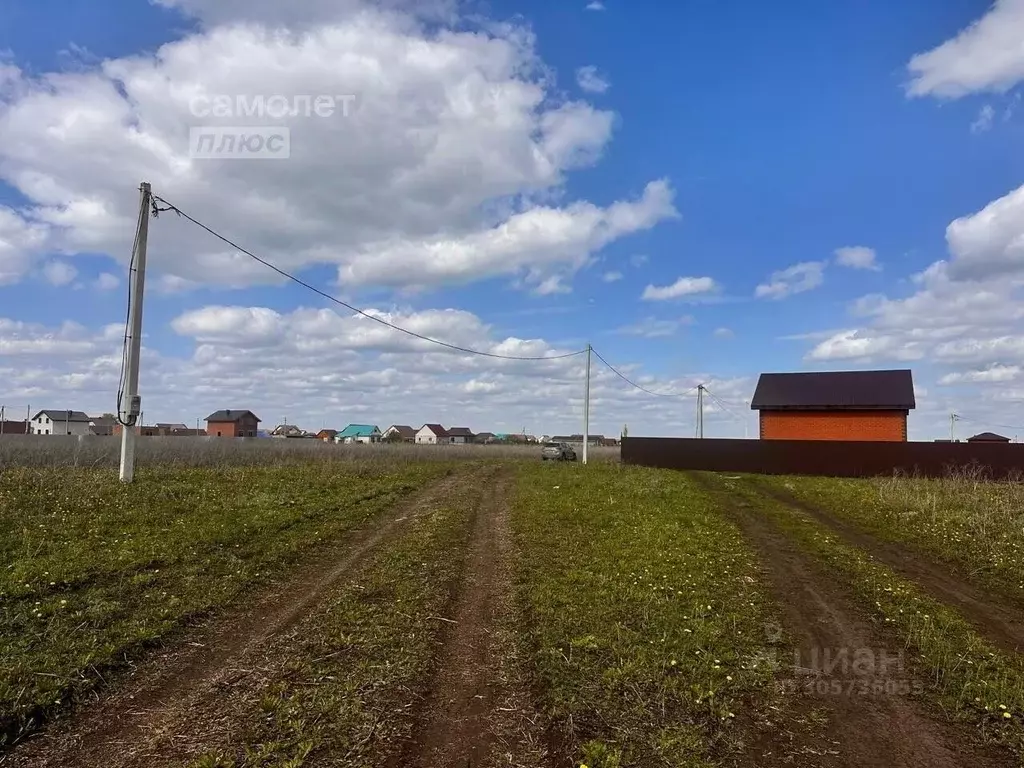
232, 423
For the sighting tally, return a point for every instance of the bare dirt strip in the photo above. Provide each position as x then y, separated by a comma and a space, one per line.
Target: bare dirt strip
476, 712
843, 670
153, 704
999, 622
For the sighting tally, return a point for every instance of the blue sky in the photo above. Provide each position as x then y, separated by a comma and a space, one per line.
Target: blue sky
537, 171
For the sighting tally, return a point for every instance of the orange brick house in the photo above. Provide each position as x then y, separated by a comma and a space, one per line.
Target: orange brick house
232, 424
835, 405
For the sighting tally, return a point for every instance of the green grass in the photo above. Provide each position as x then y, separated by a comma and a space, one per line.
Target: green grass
973, 525
356, 668
970, 676
646, 615
93, 571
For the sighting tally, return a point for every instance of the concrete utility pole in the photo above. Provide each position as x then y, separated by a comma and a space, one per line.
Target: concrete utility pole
700, 411
586, 410
131, 404
952, 427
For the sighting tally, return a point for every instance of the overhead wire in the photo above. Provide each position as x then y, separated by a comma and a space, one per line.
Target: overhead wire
718, 401
356, 310
632, 383
989, 423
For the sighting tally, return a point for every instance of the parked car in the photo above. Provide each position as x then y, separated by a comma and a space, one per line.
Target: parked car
558, 452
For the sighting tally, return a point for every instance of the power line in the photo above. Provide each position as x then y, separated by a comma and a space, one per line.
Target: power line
632, 383
988, 423
723, 406
329, 297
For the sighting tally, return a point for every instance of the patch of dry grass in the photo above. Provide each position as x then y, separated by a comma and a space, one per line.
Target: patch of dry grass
50, 451
972, 523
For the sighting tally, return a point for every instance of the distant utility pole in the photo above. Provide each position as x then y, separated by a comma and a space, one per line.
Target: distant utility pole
1, 419
952, 427
131, 404
586, 410
700, 411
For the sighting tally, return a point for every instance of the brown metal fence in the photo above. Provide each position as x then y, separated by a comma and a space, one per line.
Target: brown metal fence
824, 457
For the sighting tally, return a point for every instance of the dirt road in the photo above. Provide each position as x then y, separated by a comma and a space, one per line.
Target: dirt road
844, 669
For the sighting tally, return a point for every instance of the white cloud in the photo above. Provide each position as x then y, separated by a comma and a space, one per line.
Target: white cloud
595, 5
20, 241
653, 328
799, 278
723, 333
684, 286
857, 257
59, 273
985, 56
447, 163
995, 374
638, 260
861, 345
106, 282
534, 244
590, 81
990, 242
612, 276
984, 120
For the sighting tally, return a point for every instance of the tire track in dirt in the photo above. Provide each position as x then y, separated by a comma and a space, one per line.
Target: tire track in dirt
475, 714
873, 722
1000, 623
156, 698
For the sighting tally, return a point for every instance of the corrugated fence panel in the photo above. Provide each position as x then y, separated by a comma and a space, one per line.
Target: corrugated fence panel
825, 457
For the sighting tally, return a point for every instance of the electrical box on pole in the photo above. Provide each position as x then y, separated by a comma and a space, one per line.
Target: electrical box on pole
130, 403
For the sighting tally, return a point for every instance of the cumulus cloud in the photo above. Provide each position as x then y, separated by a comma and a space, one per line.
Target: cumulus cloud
106, 282
329, 369
798, 278
861, 345
985, 56
590, 81
995, 374
443, 170
595, 5
59, 273
612, 276
857, 257
684, 286
723, 333
990, 242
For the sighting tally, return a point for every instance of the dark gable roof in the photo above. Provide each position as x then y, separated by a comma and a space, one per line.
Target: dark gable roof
63, 415
229, 416
460, 432
988, 437
835, 390
403, 430
437, 429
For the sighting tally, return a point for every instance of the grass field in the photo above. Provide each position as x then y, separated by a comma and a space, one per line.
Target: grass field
974, 525
645, 614
397, 606
93, 570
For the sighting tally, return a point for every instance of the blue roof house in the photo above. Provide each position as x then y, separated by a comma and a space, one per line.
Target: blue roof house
359, 433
